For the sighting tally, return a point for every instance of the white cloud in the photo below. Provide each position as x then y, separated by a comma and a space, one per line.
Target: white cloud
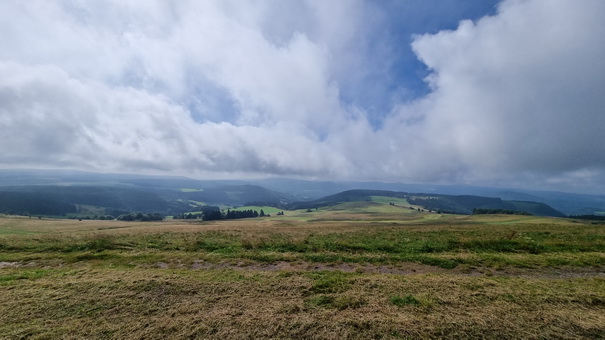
50, 118
107, 86
257, 87
518, 92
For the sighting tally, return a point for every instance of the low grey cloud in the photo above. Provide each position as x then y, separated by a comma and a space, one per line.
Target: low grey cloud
223, 88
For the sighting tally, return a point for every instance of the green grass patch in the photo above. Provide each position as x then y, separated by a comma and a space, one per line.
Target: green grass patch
329, 282
15, 232
23, 274
435, 244
406, 300
339, 302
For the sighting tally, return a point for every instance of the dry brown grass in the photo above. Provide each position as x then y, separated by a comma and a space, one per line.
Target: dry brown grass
121, 280
235, 304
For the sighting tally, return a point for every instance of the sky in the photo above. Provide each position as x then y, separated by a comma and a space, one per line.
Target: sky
504, 93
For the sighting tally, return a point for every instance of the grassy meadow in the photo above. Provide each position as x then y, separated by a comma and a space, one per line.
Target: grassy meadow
359, 270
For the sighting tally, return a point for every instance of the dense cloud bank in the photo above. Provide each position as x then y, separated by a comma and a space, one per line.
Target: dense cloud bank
231, 88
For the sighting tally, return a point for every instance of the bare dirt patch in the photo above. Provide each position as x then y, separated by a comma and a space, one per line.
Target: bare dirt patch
17, 264
407, 268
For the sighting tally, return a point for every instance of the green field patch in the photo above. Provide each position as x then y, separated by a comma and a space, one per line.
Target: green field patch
504, 219
402, 202
379, 211
190, 190
6, 231
364, 207
401, 301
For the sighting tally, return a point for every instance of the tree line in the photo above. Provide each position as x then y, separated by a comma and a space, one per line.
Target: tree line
213, 215
588, 217
140, 217
479, 211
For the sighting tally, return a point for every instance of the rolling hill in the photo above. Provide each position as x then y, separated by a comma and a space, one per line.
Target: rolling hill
169, 195
454, 204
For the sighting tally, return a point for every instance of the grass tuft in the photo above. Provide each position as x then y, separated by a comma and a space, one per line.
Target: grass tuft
401, 301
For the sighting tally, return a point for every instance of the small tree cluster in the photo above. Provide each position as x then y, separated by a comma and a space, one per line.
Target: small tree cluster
234, 214
141, 217
212, 215
188, 216
589, 217
95, 217
479, 211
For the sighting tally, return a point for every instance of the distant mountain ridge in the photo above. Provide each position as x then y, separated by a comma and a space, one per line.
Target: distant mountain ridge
275, 191
60, 200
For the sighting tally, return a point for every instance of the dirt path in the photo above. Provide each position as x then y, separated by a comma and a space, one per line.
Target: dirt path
405, 268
